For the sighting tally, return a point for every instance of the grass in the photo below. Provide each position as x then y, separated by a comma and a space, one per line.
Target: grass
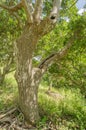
8, 92
67, 113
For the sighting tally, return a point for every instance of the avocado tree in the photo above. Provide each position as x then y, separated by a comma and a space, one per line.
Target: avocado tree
38, 23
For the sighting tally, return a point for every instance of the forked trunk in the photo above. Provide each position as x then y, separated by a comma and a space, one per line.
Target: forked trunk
27, 77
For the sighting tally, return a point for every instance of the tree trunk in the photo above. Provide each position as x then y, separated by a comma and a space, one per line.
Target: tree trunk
27, 77
28, 101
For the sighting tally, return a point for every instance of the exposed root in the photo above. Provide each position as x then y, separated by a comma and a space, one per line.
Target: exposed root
7, 113
12, 119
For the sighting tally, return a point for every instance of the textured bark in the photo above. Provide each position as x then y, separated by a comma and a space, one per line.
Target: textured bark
28, 78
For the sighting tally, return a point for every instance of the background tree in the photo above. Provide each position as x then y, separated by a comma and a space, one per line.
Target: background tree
67, 72
10, 29
6, 47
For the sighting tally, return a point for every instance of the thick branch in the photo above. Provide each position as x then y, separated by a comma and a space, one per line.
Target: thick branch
55, 56
27, 10
38, 10
55, 10
13, 8
49, 22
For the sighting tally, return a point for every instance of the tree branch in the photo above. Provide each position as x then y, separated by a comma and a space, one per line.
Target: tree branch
38, 10
13, 8
55, 10
27, 10
49, 22
55, 56
23, 3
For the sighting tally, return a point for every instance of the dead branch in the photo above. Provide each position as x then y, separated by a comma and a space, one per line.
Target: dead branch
5, 119
8, 113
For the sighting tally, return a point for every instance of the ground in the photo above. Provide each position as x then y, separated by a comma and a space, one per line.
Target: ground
60, 109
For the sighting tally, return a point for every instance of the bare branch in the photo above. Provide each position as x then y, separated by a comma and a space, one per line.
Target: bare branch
28, 12
55, 56
12, 8
38, 10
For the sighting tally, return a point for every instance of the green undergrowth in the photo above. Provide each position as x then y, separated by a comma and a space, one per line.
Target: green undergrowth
8, 92
67, 111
